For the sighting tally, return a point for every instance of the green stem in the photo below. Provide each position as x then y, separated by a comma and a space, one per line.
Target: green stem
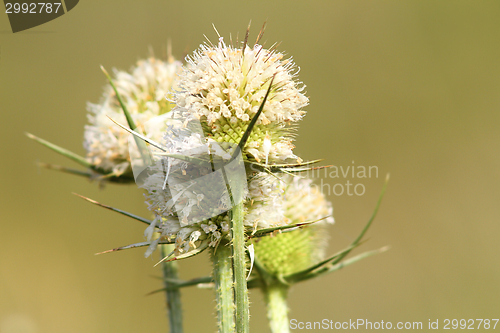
277, 309
239, 266
223, 277
174, 305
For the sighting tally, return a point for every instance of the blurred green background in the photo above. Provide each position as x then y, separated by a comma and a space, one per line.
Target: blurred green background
412, 87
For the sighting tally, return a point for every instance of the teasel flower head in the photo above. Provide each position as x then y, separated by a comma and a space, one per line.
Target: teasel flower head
223, 86
143, 90
285, 253
190, 199
220, 90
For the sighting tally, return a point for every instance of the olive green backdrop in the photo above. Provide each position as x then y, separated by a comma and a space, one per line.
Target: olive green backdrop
412, 87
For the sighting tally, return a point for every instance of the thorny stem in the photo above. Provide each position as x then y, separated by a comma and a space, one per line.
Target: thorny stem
235, 186
174, 305
277, 309
239, 266
223, 277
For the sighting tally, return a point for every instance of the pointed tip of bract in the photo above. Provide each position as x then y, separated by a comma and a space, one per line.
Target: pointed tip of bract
165, 259
83, 197
385, 248
107, 251
104, 70
29, 135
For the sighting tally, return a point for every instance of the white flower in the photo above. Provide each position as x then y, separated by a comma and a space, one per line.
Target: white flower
143, 91
224, 87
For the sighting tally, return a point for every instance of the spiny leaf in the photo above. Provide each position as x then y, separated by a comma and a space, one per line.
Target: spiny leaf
367, 226
290, 174
299, 276
143, 150
177, 284
116, 178
135, 217
343, 264
357, 258
140, 136
85, 174
132, 246
297, 169
66, 153
249, 129
290, 165
312, 268
129, 118
112, 177
263, 232
285, 168
338, 257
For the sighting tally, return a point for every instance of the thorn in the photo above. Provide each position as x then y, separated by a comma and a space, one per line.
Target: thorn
90, 200
246, 36
166, 257
208, 40
104, 70
213, 25
170, 58
261, 33
186, 51
107, 251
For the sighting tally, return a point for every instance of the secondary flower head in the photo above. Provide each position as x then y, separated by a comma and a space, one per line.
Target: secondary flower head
290, 252
224, 86
143, 91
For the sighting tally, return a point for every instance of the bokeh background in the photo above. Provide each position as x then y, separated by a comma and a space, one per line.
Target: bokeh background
412, 87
